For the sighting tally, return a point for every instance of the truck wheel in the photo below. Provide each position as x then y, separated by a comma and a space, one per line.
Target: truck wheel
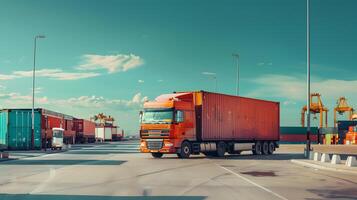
157, 155
185, 150
257, 150
221, 149
265, 148
271, 147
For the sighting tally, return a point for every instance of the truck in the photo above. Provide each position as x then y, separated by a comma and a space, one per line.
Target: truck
190, 123
57, 138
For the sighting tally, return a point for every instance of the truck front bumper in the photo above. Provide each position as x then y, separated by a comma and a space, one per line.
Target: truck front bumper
157, 146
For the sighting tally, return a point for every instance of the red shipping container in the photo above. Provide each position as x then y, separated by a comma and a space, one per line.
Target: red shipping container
48, 123
84, 127
226, 117
296, 138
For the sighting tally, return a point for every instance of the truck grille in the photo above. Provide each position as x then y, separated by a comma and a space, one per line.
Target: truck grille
154, 145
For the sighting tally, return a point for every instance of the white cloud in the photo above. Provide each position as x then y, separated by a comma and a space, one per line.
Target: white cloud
265, 64
209, 73
291, 92
286, 103
17, 100
38, 90
112, 63
279, 86
2, 87
57, 74
294, 88
101, 102
160, 80
141, 81
4, 77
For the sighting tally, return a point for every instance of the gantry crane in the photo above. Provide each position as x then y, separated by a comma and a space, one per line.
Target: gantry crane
341, 108
103, 119
315, 107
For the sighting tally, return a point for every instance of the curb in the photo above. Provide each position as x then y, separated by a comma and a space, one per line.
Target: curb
316, 166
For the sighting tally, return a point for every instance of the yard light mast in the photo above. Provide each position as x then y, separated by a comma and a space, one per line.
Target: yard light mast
308, 117
33, 91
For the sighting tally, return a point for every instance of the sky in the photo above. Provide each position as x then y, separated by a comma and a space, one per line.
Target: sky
111, 56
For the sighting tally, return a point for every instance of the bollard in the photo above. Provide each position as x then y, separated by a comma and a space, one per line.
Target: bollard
311, 156
317, 156
4, 155
325, 157
336, 159
351, 161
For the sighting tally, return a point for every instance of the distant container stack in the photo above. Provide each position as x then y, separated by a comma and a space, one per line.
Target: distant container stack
108, 133
297, 135
85, 131
16, 129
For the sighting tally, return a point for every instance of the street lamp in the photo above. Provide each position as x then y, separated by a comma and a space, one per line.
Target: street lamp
214, 76
33, 90
236, 55
308, 143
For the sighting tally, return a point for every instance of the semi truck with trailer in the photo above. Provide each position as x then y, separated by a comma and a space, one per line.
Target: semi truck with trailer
186, 123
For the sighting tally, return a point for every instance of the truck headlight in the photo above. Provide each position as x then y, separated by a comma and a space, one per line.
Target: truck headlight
168, 144
142, 144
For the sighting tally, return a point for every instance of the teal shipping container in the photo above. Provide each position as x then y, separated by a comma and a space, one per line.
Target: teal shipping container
16, 124
3, 131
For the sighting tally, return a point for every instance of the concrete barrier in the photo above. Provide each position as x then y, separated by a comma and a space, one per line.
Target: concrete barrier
325, 157
311, 156
317, 156
4, 155
351, 161
336, 159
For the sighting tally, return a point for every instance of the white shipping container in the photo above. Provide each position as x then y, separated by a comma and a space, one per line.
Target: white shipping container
114, 130
99, 133
108, 133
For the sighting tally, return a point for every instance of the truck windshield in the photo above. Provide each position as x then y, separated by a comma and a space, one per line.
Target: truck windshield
157, 116
58, 134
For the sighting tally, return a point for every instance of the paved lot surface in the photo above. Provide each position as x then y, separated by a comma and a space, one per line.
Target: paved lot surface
337, 149
117, 171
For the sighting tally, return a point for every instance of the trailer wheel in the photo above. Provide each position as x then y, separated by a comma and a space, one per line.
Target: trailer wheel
157, 155
271, 147
221, 149
265, 148
257, 150
185, 150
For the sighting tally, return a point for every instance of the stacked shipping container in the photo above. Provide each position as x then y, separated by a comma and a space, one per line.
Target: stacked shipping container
108, 133
297, 135
85, 130
16, 129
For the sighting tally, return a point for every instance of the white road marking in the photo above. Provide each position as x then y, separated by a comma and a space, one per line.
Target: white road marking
44, 183
253, 183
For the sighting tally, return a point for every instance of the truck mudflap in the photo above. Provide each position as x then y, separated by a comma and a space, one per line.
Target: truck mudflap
157, 146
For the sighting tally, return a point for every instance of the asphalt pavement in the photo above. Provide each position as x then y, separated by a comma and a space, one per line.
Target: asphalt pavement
116, 171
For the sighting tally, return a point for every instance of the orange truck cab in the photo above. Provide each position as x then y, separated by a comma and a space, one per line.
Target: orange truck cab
188, 123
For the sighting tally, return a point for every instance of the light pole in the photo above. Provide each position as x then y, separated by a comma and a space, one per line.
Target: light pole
308, 143
235, 55
214, 76
33, 91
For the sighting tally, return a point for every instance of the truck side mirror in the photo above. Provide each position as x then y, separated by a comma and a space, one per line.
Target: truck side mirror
141, 115
178, 116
